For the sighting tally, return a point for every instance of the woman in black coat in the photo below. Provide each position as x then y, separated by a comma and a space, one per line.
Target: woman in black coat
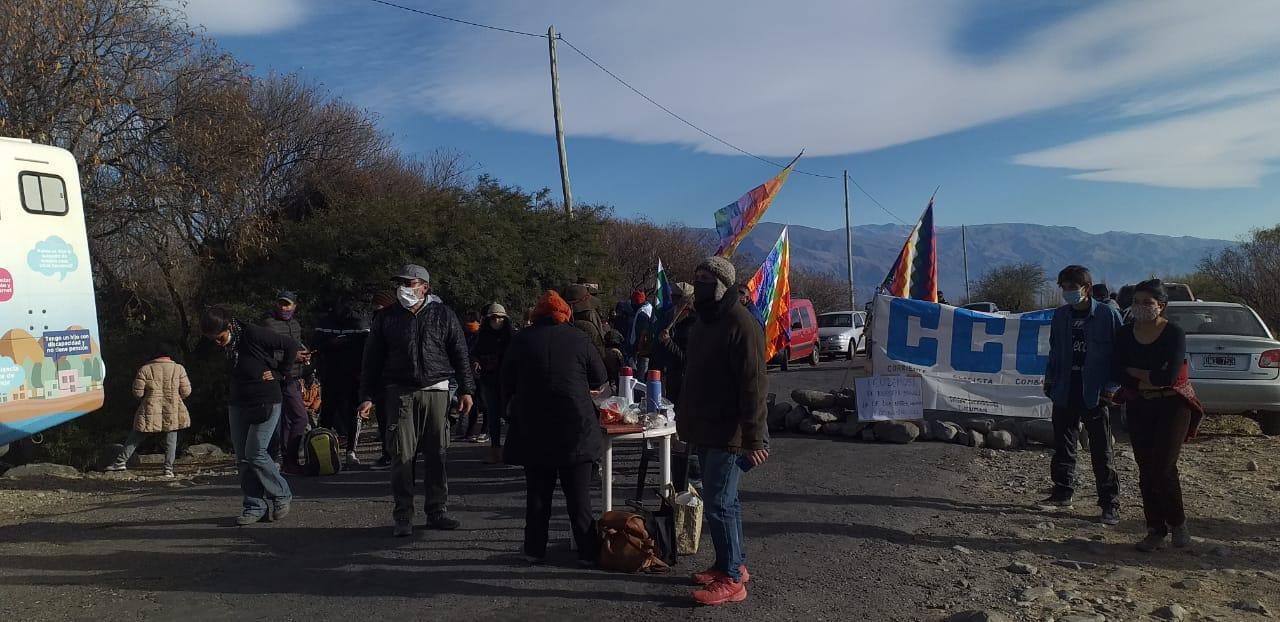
547, 377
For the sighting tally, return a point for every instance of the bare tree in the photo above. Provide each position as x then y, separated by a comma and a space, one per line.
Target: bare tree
1014, 287
1250, 272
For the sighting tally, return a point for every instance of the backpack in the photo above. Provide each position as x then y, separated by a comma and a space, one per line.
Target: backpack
627, 546
323, 454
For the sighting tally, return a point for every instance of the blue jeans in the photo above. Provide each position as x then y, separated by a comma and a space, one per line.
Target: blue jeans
720, 476
260, 479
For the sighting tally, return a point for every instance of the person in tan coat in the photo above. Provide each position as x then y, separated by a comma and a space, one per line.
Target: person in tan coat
161, 384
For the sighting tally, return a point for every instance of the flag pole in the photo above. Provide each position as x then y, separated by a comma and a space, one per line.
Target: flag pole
848, 244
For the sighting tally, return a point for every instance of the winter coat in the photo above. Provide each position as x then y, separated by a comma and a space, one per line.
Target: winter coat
547, 379
253, 354
492, 345
670, 356
339, 345
287, 328
722, 400
416, 350
161, 385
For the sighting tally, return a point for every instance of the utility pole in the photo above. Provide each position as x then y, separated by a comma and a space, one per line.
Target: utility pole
848, 245
555, 102
964, 245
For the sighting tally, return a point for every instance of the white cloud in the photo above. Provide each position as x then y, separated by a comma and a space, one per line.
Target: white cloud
1236, 88
832, 76
1229, 147
241, 17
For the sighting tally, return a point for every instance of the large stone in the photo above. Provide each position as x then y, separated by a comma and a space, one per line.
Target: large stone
1174, 612
835, 428
778, 416
809, 426
999, 439
824, 416
42, 469
982, 425
853, 428
846, 399
977, 616
1022, 568
868, 433
150, 459
1039, 431
1252, 606
797, 415
205, 450
813, 399
901, 432
976, 439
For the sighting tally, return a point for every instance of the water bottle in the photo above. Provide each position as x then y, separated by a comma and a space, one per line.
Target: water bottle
626, 384
653, 391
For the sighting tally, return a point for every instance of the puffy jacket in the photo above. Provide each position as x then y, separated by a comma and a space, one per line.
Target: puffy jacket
286, 328
416, 350
722, 401
547, 379
161, 385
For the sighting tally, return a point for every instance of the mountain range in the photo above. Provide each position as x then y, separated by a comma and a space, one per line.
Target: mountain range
1114, 257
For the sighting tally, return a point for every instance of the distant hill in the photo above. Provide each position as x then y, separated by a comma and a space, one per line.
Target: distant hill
1114, 257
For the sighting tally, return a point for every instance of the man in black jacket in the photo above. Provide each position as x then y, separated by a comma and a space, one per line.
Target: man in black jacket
282, 321
413, 350
339, 341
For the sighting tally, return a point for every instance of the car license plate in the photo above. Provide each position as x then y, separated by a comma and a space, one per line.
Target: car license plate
1228, 362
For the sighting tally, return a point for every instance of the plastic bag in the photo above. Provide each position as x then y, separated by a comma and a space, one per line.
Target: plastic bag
612, 411
688, 509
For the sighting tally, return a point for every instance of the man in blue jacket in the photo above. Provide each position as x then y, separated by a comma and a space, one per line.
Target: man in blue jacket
1078, 380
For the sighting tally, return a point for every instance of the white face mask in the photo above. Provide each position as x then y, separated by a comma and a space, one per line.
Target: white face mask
408, 297
1072, 296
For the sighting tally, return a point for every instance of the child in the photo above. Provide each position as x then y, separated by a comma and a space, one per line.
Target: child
311, 395
161, 384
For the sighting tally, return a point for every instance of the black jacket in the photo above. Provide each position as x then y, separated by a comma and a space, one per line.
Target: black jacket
415, 350
670, 355
491, 347
339, 345
288, 328
547, 379
722, 402
253, 354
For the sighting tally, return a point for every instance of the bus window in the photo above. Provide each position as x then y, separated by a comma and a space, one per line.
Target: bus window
43, 194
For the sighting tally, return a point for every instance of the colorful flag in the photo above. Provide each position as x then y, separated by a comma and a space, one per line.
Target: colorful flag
770, 296
915, 272
735, 220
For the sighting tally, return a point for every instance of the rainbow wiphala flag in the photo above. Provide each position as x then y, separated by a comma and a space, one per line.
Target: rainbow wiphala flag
735, 220
770, 293
915, 273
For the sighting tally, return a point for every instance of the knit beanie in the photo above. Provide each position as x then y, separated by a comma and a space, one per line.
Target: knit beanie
724, 272
551, 305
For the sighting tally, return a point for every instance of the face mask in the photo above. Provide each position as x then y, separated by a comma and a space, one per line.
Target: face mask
283, 315
1072, 296
408, 297
705, 292
1145, 313
495, 323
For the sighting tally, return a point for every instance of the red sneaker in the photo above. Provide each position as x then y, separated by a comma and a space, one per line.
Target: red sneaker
721, 591
709, 576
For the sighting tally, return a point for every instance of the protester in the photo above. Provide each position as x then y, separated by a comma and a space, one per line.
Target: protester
340, 338
622, 320
293, 416
1103, 294
673, 340
471, 326
254, 409
413, 350
586, 314
548, 375
381, 301
722, 412
162, 385
1078, 380
1125, 298
614, 359
1151, 363
496, 335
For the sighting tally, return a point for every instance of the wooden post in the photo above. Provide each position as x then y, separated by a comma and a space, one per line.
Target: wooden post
964, 244
848, 245
555, 102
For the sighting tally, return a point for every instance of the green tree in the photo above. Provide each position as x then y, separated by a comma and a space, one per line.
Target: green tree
1013, 287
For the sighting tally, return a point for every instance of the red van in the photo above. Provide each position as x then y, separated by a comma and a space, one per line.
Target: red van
804, 335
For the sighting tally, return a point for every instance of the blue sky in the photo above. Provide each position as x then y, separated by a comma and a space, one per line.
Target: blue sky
1146, 117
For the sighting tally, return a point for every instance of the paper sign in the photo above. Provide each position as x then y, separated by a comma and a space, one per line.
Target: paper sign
889, 398
67, 343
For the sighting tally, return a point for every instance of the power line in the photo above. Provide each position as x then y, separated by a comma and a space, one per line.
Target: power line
456, 20
637, 91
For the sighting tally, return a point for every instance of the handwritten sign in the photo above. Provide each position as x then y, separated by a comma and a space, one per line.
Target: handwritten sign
889, 398
67, 343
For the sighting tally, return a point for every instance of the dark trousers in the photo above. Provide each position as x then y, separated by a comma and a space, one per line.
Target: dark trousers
419, 422
494, 408
1157, 429
338, 410
287, 439
1066, 442
575, 481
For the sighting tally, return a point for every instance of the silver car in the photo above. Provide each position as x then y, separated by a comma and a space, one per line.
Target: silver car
1234, 359
840, 333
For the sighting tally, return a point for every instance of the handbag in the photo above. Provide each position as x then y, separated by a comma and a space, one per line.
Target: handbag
688, 513
661, 525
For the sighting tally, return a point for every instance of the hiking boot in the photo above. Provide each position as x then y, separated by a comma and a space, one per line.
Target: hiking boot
721, 591
115, 467
403, 529
1181, 537
1110, 516
1055, 502
279, 512
244, 520
443, 522
1153, 542
710, 575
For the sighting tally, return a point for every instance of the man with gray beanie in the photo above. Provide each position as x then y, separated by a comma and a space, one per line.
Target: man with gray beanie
413, 350
721, 411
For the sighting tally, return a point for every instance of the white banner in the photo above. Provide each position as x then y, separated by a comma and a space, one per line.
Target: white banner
968, 361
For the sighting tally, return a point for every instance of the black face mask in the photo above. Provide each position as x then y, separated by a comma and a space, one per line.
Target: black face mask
705, 292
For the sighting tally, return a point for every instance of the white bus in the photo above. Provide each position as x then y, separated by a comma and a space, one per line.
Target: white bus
51, 368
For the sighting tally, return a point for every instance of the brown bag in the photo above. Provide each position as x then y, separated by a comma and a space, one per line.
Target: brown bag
626, 546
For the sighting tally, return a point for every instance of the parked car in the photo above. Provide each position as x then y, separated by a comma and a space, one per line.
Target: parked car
1234, 359
840, 333
1179, 292
804, 335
